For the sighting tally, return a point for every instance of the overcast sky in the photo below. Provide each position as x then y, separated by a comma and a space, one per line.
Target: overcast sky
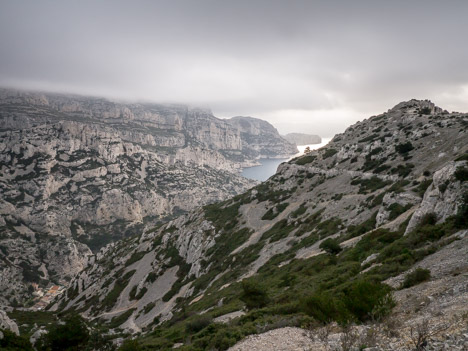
305, 66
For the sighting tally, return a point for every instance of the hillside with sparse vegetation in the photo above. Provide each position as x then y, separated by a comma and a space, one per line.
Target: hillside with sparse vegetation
364, 234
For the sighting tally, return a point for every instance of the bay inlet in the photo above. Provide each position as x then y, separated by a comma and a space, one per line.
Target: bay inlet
268, 166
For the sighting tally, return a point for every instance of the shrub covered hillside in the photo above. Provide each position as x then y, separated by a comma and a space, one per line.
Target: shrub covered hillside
326, 239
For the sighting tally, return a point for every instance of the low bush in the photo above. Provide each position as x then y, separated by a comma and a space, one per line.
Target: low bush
369, 185
428, 219
253, 295
331, 246
325, 308
461, 174
72, 335
397, 209
197, 324
13, 342
404, 148
329, 153
416, 277
363, 296
305, 160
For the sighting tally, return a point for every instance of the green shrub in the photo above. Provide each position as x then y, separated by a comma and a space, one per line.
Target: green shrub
461, 174
280, 230
324, 307
363, 296
118, 287
329, 153
422, 187
130, 345
222, 218
305, 160
428, 219
120, 319
364, 227
370, 138
13, 342
273, 212
396, 209
151, 278
73, 335
369, 185
404, 148
463, 157
253, 294
197, 324
331, 246
415, 277
425, 111
136, 256
301, 210
403, 170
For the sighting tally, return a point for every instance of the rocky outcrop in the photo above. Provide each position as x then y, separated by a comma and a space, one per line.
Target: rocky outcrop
303, 139
7, 323
442, 197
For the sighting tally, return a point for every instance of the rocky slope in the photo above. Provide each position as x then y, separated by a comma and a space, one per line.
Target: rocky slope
303, 139
79, 172
390, 192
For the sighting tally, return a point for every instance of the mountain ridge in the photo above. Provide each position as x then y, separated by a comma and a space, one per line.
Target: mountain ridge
361, 188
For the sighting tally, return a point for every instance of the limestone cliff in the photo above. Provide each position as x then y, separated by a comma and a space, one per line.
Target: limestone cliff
261, 140
80, 172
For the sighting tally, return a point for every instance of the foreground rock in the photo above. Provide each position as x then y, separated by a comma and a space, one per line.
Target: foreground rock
7, 323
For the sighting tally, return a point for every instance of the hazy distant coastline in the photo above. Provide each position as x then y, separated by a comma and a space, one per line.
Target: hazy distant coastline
302, 139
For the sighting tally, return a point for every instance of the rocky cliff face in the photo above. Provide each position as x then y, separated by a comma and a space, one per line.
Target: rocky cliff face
303, 139
389, 192
261, 140
77, 173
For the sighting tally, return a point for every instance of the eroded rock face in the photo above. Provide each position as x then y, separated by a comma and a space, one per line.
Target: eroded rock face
442, 197
78, 173
261, 139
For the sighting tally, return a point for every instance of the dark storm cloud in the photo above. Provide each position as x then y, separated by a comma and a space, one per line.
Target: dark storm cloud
303, 65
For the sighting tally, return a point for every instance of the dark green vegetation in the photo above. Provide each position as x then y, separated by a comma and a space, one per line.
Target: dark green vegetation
415, 277
331, 287
114, 293
370, 185
253, 295
12, 342
404, 148
331, 246
461, 174
329, 153
305, 160
69, 333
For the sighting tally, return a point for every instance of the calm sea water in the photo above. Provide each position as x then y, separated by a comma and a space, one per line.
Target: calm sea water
268, 166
